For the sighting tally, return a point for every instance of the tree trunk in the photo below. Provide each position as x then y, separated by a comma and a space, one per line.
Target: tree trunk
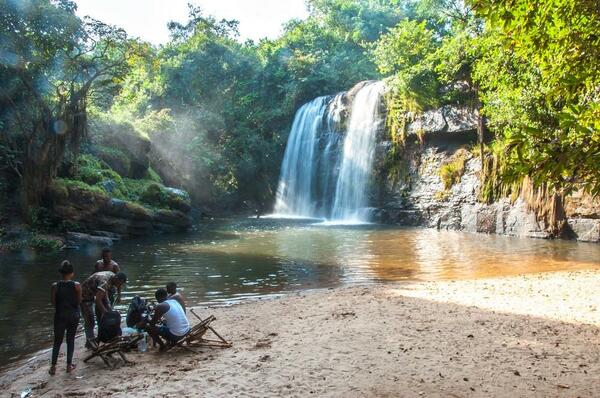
46, 148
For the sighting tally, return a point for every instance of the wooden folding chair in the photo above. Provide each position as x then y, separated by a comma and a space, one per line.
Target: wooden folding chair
195, 337
117, 345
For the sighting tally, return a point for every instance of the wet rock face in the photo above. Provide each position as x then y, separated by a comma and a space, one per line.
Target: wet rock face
423, 201
583, 216
418, 198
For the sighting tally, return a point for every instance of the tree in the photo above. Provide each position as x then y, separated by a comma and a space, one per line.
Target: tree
55, 62
541, 89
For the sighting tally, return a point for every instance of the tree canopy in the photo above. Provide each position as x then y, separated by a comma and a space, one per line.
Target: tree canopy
217, 111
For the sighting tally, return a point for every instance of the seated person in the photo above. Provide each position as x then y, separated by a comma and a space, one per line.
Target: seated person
175, 324
174, 294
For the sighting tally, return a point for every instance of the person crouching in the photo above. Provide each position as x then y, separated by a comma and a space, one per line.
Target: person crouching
175, 323
95, 302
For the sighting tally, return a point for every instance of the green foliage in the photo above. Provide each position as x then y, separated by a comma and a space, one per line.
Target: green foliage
44, 244
92, 171
154, 195
217, 111
40, 219
452, 171
50, 64
540, 82
404, 48
442, 196
424, 58
153, 176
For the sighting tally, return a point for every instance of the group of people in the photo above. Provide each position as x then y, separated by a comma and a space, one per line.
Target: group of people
94, 301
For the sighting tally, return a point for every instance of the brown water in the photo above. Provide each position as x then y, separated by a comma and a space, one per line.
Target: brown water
228, 261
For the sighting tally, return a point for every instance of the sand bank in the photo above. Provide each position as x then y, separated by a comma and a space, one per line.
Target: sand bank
532, 335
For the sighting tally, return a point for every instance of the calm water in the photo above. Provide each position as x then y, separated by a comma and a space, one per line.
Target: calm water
226, 261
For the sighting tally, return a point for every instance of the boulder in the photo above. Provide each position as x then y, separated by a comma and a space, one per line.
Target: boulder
81, 239
178, 193
158, 196
446, 122
123, 226
430, 122
582, 205
459, 118
132, 156
585, 229
126, 210
117, 160
171, 220
113, 236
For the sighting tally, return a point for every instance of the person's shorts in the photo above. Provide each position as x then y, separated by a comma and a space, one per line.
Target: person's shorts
165, 333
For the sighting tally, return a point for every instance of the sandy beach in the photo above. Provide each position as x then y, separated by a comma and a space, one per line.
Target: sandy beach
533, 335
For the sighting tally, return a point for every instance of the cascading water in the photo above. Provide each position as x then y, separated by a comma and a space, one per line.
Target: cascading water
354, 179
323, 174
306, 173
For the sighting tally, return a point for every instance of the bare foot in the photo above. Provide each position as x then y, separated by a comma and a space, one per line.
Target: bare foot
71, 368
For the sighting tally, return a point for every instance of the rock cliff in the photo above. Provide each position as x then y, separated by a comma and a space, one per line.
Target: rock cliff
411, 188
418, 196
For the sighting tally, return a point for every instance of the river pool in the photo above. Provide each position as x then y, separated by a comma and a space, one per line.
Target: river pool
227, 261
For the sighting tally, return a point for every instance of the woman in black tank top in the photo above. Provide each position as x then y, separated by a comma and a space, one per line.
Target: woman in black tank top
66, 298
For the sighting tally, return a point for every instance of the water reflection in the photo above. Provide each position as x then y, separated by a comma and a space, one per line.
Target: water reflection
241, 259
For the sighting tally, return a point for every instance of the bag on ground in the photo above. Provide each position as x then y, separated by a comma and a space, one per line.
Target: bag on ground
109, 326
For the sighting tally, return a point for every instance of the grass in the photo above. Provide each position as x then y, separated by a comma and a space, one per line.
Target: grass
452, 171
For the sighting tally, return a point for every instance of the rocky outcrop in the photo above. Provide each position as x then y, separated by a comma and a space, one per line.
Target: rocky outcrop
583, 216
90, 210
123, 148
447, 121
419, 197
78, 239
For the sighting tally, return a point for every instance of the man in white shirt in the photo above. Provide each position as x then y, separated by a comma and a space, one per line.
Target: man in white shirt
175, 323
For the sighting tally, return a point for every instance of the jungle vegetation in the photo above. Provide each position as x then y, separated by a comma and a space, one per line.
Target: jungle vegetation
215, 112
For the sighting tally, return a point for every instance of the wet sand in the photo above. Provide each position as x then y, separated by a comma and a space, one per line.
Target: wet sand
535, 335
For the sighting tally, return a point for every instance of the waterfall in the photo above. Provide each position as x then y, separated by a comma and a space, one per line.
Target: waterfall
326, 172
354, 179
305, 182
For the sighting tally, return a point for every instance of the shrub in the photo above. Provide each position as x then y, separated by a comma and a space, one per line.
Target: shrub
442, 196
39, 219
452, 171
153, 175
40, 243
154, 195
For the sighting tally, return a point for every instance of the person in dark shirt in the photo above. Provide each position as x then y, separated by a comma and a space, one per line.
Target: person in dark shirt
65, 296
